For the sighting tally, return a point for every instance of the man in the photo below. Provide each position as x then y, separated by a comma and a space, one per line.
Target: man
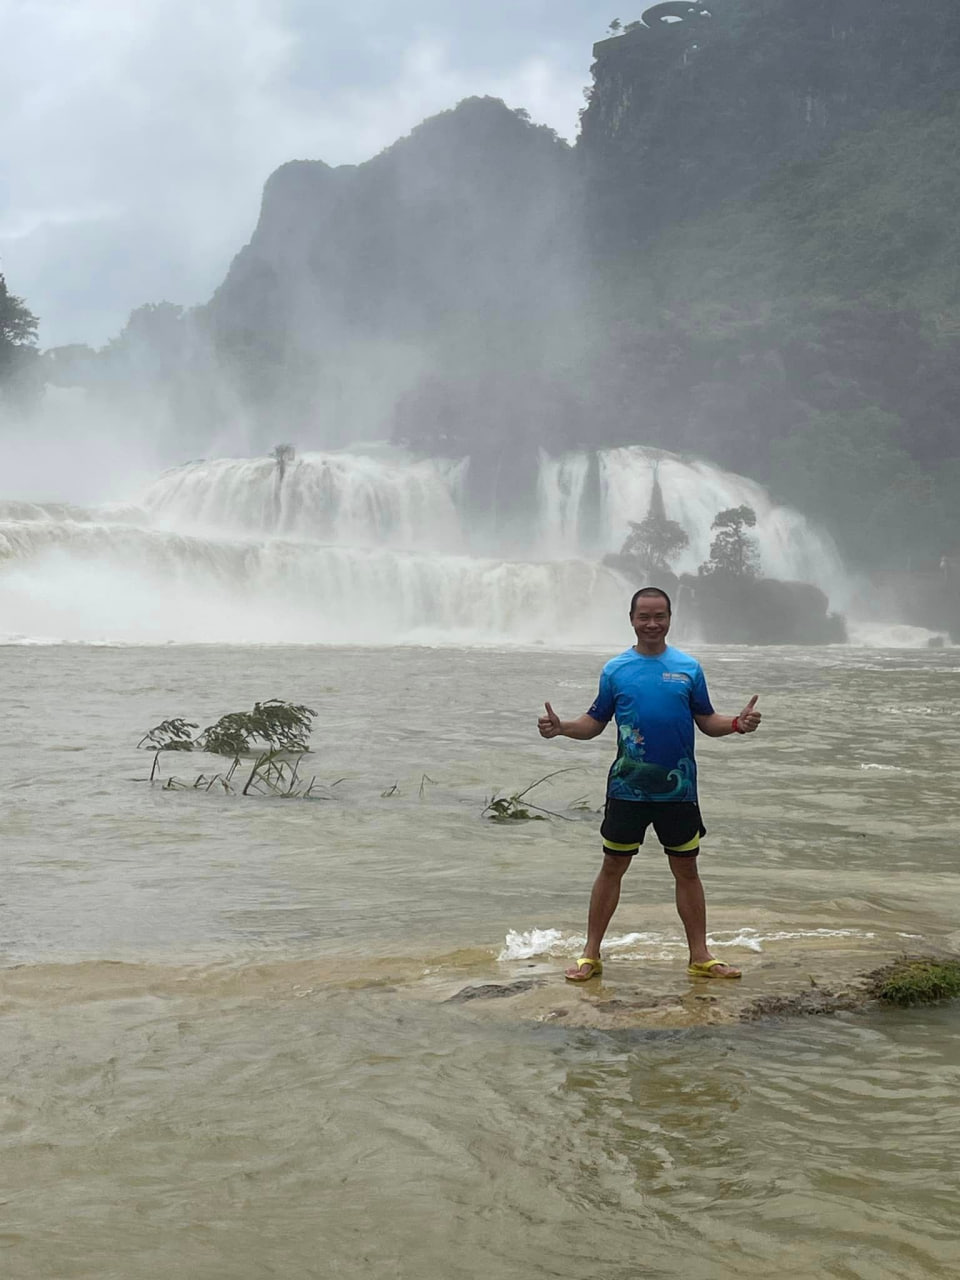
657, 694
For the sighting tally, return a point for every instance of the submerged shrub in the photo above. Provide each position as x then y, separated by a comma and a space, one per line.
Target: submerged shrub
169, 735
273, 725
280, 726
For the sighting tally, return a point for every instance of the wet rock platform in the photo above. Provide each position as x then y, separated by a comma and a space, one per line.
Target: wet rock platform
823, 982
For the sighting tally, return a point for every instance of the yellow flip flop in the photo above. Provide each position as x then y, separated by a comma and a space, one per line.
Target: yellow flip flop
596, 968
705, 970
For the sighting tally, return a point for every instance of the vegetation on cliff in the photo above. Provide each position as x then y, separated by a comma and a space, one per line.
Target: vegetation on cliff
788, 302
808, 334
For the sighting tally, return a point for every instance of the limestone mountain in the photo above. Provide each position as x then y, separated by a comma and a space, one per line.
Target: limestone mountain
447, 252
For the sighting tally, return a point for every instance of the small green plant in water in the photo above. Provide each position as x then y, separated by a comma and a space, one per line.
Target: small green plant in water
921, 980
583, 805
505, 808
273, 774
508, 808
280, 726
271, 731
169, 735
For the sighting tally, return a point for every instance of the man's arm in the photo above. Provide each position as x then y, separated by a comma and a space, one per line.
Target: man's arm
583, 728
717, 726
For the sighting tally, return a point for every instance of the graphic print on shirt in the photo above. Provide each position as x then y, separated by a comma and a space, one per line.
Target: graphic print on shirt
649, 781
654, 699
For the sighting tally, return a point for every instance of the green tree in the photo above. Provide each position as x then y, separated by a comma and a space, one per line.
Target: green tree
18, 325
19, 357
283, 455
733, 551
655, 540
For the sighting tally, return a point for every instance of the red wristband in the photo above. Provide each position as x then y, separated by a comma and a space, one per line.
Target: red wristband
736, 725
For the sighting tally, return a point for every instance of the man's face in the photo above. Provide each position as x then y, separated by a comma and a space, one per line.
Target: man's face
651, 620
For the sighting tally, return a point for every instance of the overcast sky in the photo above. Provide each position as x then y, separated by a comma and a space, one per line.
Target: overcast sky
136, 134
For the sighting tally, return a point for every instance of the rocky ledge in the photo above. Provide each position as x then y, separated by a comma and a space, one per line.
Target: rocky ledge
634, 996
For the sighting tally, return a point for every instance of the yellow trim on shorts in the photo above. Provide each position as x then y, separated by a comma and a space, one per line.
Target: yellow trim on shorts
622, 848
684, 848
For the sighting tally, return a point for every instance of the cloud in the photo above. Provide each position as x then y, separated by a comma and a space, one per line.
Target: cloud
23, 223
138, 136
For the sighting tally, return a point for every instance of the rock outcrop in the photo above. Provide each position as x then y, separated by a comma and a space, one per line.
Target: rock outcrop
761, 611
741, 610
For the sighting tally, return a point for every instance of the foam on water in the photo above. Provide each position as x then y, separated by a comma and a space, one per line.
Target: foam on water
530, 943
894, 635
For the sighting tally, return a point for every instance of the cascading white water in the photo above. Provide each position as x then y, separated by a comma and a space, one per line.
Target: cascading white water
365, 548
361, 501
693, 494
346, 499
97, 581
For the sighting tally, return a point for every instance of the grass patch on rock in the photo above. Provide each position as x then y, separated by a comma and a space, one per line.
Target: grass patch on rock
914, 980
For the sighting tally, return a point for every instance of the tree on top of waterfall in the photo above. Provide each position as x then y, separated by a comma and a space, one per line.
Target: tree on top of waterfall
733, 551
655, 541
283, 455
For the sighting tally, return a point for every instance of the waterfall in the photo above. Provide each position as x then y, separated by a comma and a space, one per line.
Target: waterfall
345, 499
371, 547
693, 493
104, 581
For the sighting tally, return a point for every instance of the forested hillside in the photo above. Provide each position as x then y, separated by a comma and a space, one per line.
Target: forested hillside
769, 196
807, 332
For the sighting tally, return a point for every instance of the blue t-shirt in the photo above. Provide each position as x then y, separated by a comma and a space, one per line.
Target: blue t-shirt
654, 700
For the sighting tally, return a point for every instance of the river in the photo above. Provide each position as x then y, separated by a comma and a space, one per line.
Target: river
228, 1047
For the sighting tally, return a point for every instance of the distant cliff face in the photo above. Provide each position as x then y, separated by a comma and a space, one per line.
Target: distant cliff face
700, 101
452, 249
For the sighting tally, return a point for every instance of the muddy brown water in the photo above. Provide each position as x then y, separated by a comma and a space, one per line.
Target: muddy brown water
229, 1048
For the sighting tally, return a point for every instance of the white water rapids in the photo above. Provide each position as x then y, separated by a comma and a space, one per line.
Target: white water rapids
371, 547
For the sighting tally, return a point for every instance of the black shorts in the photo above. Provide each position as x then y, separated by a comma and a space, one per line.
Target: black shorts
678, 825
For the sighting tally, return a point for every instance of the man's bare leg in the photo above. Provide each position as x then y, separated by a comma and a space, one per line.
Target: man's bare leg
603, 903
692, 909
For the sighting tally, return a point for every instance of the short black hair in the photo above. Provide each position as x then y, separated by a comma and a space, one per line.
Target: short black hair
650, 591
